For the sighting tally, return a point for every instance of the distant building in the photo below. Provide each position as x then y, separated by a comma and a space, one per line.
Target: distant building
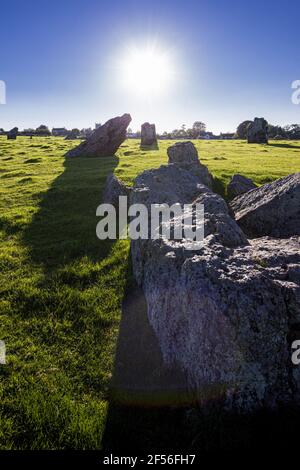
59, 131
206, 136
227, 136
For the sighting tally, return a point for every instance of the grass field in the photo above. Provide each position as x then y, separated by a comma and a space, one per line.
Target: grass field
61, 288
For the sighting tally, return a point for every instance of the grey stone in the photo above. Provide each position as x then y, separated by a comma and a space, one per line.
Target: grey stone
185, 155
273, 209
71, 136
114, 188
148, 135
224, 312
13, 133
239, 185
257, 131
105, 140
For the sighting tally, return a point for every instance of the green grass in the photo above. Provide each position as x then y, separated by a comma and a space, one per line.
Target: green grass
61, 288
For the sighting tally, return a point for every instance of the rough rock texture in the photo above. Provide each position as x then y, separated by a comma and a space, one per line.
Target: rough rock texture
12, 134
105, 140
185, 155
148, 135
226, 312
257, 131
239, 185
273, 209
113, 189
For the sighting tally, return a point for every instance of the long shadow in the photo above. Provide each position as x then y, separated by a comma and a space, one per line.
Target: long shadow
148, 401
64, 228
285, 146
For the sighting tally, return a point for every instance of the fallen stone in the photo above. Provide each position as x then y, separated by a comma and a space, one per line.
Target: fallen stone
273, 209
222, 313
105, 140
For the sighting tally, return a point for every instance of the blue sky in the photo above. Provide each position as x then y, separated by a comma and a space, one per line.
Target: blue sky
233, 60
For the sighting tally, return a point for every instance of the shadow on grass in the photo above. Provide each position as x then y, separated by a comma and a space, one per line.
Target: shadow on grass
284, 146
147, 400
219, 187
64, 228
149, 148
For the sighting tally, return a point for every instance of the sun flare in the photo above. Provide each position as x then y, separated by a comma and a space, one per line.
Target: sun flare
146, 70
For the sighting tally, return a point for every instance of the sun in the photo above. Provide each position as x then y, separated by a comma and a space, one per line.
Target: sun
147, 70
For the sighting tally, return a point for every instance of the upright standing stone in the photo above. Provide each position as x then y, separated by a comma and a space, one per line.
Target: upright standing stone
148, 135
12, 134
185, 155
105, 140
257, 131
238, 185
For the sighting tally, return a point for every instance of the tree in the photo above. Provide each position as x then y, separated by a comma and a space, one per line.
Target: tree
292, 131
42, 131
276, 131
241, 132
199, 128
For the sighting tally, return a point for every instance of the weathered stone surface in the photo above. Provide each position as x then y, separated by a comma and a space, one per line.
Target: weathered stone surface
105, 140
185, 155
257, 131
273, 209
239, 185
113, 189
224, 313
13, 133
148, 135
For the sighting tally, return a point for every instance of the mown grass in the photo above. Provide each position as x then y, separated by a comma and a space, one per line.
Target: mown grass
61, 288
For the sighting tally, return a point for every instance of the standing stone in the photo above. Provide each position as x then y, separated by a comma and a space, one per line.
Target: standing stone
12, 134
148, 135
113, 189
238, 185
185, 155
71, 136
257, 131
105, 140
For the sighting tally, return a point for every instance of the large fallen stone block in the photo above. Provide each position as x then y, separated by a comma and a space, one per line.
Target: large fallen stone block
226, 312
273, 209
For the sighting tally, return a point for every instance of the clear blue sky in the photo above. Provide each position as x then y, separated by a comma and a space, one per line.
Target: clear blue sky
234, 60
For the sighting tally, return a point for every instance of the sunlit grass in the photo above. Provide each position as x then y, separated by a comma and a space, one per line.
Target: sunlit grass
61, 288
